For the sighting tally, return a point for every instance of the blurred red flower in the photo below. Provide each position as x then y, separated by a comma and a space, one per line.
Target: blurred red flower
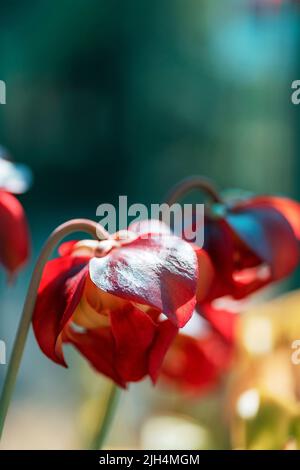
106, 298
14, 235
251, 243
196, 364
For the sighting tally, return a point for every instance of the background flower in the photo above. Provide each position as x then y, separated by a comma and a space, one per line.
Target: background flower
252, 242
14, 234
196, 365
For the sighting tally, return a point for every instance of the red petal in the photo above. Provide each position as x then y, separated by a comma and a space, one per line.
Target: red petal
196, 365
220, 245
223, 321
232, 260
166, 333
66, 248
160, 272
59, 293
133, 332
98, 347
206, 274
133, 347
289, 208
14, 236
268, 234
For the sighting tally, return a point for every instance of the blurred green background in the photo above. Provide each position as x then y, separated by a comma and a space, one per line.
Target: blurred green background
113, 97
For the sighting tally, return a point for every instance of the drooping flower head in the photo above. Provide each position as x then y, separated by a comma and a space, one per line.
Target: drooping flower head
251, 242
119, 301
14, 234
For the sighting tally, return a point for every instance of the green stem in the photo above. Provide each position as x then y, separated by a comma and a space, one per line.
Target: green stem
107, 419
76, 225
188, 184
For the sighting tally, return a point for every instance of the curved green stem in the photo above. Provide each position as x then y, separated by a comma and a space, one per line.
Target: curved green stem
106, 419
76, 225
188, 184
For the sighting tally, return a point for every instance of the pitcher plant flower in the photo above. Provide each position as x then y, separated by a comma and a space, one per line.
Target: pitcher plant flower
14, 236
252, 241
118, 301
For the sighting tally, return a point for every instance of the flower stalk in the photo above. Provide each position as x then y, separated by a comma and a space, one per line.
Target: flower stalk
188, 184
106, 419
76, 225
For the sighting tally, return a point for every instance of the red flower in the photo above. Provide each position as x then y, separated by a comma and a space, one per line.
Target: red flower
251, 243
195, 364
14, 235
248, 244
106, 299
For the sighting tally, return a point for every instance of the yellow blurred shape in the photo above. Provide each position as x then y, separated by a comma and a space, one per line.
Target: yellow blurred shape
174, 432
248, 404
264, 399
271, 323
257, 335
